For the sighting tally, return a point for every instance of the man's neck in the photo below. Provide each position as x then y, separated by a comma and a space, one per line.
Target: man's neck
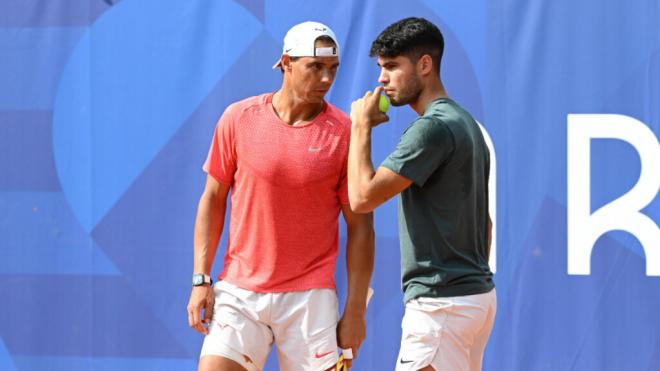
293, 110
434, 91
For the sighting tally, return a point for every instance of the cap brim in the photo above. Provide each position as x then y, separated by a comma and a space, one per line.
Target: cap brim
278, 64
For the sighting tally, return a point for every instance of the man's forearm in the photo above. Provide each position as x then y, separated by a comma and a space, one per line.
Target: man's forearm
359, 265
360, 169
208, 229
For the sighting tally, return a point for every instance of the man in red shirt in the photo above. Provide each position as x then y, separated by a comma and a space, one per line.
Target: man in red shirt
283, 155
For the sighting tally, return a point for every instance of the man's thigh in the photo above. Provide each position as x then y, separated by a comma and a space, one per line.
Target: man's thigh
466, 329
440, 332
236, 331
305, 328
219, 363
479, 345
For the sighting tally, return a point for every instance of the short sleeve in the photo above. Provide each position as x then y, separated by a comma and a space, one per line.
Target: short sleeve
221, 160
423, 147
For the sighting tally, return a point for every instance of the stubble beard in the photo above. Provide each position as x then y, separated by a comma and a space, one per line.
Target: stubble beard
409, 93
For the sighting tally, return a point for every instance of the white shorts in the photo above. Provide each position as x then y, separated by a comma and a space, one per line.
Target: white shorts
301, 323
446, 333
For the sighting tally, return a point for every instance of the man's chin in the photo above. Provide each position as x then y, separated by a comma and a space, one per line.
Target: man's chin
314, 99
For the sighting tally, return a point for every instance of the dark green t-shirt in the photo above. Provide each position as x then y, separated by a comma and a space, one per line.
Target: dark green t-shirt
443, 215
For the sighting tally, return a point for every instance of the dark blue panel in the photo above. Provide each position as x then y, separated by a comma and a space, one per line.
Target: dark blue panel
52, 13
32, 63
82, 316
26, 161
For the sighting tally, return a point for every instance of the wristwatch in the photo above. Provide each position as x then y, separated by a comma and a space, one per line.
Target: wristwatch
200, 279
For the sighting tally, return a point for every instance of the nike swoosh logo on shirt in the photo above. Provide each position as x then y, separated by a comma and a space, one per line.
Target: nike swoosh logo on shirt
322, 354
314, 149
402, 361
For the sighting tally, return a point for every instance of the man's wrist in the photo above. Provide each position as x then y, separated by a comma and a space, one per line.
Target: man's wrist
201, 279
362, 125
355, 309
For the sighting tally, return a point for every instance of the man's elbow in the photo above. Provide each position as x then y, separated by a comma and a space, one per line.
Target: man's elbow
361, 205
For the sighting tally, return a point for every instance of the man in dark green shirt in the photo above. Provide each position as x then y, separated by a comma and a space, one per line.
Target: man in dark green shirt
440, 169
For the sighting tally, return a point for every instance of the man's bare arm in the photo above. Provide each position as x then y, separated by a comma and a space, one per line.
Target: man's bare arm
208, 229
367, 188
359, 266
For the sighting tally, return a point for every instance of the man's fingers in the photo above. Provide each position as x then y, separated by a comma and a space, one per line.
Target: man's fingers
190, 318
375, 96
195, 320
195, 313
199, 327
348, 363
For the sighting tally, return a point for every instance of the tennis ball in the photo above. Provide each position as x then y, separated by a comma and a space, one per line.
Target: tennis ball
383, 104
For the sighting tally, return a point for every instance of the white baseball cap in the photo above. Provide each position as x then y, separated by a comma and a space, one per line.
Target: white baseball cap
299, 41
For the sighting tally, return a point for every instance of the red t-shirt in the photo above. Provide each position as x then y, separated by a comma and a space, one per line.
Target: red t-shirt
287, 187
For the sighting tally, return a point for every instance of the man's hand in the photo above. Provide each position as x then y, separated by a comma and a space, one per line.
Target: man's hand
365, 111
201, 297
351, 331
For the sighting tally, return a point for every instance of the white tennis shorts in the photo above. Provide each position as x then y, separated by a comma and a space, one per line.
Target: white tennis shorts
301, 323
446, 333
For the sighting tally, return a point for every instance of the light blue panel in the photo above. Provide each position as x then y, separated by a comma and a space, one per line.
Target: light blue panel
135, 77
31, 63
467, 20
6, 362
279, 18
49, 241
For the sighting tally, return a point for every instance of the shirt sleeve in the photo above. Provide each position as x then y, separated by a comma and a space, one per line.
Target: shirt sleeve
423, 148
221, 160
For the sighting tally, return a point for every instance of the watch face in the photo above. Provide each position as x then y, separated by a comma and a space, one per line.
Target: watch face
198, 279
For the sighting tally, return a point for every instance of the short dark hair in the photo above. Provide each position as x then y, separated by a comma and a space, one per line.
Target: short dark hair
411, 37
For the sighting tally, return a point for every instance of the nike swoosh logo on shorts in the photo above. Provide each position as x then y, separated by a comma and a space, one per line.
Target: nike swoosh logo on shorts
402, 361
322, 354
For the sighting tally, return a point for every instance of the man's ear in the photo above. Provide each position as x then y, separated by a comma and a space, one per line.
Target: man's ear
286, 62
425, 64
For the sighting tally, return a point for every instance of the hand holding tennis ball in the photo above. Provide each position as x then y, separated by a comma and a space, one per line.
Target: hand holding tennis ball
370, 110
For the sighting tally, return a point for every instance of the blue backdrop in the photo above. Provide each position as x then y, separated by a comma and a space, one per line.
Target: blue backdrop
107, 110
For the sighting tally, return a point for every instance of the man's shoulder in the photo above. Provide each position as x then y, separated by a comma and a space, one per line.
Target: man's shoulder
428, 126
338, 116
243, 105
449, 117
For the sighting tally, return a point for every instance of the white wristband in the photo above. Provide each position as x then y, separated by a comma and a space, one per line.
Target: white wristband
348, 353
